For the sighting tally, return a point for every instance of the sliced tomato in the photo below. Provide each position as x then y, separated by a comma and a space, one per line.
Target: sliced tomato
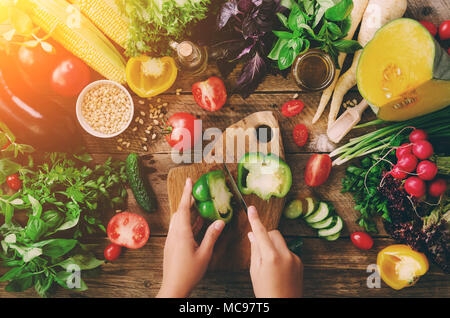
317, 169
292, 108
300, 134
210, 94
128, 229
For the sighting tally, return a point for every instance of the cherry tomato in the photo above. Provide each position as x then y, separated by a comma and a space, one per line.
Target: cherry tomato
423, 149
426, 170
300, 134
112, 252
444, 30
404, 149
70, 76
14, 183
430, 27
317, 169
128, 229
415, 187
182, 125
362, 240
437, 187
210, 94
292, 108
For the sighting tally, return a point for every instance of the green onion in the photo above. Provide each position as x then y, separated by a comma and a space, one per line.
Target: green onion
436, 124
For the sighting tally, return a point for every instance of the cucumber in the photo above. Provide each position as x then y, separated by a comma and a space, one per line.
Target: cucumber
319, 215
294, 209
323, 224
333, 237
336, 227
142, 191
312, 205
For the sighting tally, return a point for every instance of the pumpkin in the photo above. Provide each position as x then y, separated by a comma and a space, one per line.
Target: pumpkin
403, 72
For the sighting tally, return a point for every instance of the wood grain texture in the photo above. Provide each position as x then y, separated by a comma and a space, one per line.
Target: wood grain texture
232, 250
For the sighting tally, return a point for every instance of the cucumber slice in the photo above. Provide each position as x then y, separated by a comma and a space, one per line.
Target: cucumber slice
312, 205
294, 209
333, 237
319, 215
323, 224
336, 228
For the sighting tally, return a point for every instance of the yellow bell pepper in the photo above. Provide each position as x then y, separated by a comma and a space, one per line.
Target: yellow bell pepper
400, 266
148, 76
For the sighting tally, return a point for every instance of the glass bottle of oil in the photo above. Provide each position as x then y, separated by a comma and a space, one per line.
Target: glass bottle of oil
191, 58
313, 70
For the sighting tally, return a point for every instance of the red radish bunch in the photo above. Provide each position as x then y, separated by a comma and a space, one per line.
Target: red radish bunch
412, 159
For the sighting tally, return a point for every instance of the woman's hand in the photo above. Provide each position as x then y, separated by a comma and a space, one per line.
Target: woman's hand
185, 262
276, 272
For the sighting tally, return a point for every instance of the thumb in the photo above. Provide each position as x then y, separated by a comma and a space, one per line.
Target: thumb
210, 238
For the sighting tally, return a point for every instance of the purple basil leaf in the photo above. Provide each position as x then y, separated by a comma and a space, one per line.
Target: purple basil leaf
245, 5
251, 76
228, 10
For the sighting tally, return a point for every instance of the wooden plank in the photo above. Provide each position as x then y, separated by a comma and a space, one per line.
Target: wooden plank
234, 110
332, 269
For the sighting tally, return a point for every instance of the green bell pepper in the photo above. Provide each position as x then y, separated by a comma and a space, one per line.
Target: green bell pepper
213, 198
263, 175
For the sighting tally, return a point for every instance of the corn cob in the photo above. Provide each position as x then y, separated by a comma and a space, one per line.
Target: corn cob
105, 15
78, 35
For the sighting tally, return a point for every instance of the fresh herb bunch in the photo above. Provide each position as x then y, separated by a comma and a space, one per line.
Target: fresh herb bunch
313, 23
245, 36
152, 24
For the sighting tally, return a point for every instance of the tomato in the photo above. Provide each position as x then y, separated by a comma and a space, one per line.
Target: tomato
70, 76
128, 229
292, 108
210, 94
14, 183
437, 187
415, 187
404, 149
444, 30
182, 125
112, 252
423, 149
362, 240
300, 134
317, 169
430, 27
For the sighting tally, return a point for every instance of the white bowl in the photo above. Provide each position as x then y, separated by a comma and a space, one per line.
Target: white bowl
85, 124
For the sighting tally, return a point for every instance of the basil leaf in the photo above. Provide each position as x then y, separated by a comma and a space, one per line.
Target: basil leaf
334, 30
283, 19
287, 56
294, 16
84, 261
347, 46
56, 247
35, 228
19, 285
35, 206
283, 34
339, 11
11, 274
345, 26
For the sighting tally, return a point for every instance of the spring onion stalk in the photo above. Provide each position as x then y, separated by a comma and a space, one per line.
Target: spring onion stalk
436, 124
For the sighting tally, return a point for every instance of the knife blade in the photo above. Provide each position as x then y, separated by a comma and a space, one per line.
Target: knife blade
236, 188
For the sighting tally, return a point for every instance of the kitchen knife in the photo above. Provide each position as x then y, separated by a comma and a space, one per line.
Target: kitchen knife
236, 188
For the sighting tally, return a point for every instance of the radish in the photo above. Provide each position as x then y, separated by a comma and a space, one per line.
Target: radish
398, 173
415, 187
405, 149
423, 149
407, 163
426, 170
437, 187
418, 134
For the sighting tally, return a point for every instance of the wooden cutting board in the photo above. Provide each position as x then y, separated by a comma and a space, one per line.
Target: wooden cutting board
232, 251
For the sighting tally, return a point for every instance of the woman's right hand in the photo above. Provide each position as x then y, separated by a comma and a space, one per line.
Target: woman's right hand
275, 271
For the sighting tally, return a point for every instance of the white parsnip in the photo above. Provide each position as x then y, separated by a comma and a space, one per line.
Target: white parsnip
359, 6
377, 14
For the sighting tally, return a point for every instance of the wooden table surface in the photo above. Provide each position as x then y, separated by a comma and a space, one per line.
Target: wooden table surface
332, 269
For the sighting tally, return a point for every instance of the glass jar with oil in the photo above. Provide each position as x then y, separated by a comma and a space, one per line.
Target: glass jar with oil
313, 70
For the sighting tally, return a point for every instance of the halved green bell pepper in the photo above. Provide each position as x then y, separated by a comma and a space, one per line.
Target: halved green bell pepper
213, 198
263, 175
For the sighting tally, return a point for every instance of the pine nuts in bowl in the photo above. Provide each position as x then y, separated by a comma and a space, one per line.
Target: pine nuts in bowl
105, 109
